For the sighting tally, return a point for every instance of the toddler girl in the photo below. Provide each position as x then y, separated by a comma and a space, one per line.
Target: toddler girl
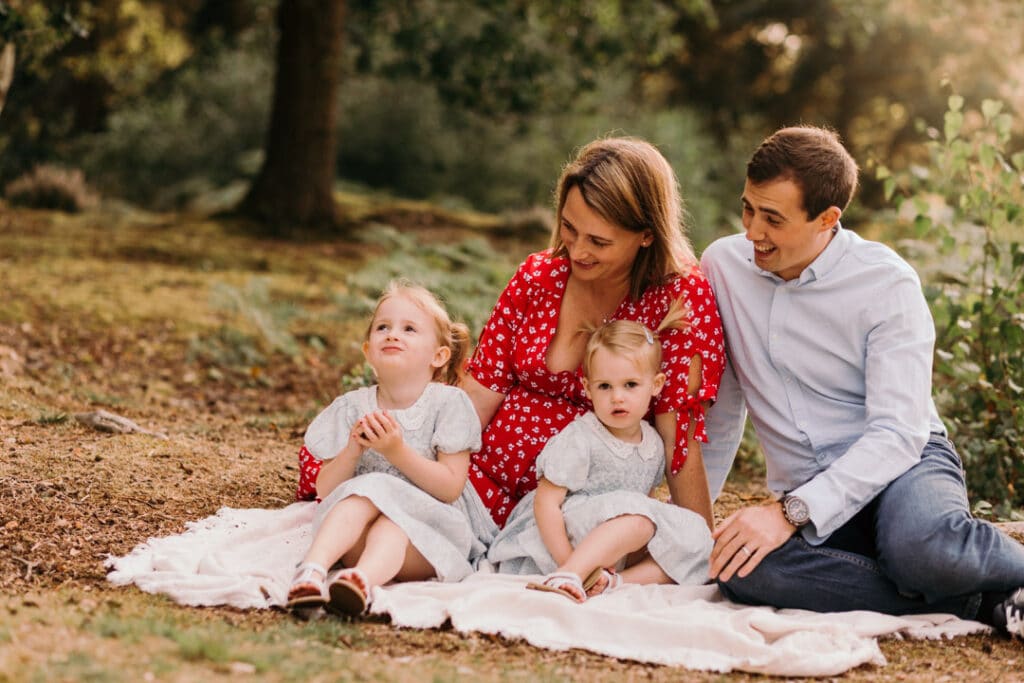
591, 509
395, 457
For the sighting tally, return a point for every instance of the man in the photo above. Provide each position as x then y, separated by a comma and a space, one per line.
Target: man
830, 345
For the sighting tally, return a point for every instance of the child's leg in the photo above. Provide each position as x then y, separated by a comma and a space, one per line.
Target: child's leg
341, 529
645, 571
388, 555
608, 543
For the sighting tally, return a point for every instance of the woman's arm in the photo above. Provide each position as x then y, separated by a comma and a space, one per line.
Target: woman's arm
689, 486
484, 400
547, 510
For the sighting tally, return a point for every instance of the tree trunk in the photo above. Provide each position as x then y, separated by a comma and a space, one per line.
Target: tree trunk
294, 186
7, 54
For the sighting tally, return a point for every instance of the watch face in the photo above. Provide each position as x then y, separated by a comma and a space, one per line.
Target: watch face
796, 510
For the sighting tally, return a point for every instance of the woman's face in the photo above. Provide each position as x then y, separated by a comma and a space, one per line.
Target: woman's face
598, 250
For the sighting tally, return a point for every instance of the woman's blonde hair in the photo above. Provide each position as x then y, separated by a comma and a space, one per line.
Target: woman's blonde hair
630, 184
633, 339
454, 335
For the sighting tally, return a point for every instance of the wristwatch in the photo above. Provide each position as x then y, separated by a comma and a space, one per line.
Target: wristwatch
795, 510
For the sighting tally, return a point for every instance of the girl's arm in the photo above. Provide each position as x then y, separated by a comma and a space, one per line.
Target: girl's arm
444, 478
689, 487
547, 510
340, 468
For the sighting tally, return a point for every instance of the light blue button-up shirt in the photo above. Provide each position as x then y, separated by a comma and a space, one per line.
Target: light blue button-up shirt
834, 368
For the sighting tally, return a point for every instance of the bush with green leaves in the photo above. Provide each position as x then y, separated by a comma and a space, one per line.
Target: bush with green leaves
969, 203
200, 128
401, 136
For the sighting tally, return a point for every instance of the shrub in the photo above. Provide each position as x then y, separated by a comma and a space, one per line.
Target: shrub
971, 202
52, 187
194, 131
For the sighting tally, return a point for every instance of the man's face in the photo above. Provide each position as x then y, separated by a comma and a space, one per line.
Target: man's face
786, 240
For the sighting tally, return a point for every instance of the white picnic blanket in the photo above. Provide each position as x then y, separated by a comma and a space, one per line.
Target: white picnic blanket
245, 558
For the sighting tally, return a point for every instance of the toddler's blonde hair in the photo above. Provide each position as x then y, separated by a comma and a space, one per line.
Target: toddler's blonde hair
633, 339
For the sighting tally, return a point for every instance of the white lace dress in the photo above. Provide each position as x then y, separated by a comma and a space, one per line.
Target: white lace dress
442, 420
605, 478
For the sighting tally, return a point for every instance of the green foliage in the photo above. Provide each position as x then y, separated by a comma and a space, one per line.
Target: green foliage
199, 129
52, 418
971, 202
52, 187
466, 276
259, 326
402, 136
253, 303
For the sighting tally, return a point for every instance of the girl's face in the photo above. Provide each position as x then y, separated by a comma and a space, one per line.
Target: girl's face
403, 338
621, 389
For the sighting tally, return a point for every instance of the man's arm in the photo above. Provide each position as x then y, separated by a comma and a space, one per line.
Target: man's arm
724, 424
897, 378
897, 369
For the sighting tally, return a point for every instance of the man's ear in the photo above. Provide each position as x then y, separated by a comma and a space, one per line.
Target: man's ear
659, 384
441, 356
828, 218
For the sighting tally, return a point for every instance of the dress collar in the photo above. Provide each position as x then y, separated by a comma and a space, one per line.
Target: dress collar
646, 449
411, 418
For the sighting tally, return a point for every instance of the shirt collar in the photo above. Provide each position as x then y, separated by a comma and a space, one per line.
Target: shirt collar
821, 266
829, 257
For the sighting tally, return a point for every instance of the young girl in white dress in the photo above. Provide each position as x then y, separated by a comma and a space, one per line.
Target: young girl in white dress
396, 457
591, 511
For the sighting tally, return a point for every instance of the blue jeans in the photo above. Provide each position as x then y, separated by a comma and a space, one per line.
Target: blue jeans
914, 549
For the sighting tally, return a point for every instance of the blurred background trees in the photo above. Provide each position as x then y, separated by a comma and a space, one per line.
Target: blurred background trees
211, 105
479, 104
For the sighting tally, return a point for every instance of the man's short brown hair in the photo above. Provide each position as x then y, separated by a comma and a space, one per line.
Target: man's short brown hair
811, 157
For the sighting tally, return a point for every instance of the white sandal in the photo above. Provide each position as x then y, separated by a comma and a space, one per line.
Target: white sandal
564, 583
308, 586
349, 591
612, 581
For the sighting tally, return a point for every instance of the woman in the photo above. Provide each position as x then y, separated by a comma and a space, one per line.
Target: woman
618, 251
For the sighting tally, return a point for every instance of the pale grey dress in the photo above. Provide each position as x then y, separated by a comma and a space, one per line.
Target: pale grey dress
605, 478
442, 420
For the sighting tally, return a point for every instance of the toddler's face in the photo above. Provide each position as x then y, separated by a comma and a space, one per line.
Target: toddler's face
621, 390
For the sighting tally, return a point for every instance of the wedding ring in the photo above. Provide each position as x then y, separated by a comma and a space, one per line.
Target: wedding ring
746, 550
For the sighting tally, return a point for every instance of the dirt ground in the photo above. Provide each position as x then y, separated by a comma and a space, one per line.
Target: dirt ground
105, 315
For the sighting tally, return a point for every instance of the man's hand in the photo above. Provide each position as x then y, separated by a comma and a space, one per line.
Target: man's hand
745, 537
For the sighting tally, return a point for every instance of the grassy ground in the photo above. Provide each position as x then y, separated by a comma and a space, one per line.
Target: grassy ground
126, 311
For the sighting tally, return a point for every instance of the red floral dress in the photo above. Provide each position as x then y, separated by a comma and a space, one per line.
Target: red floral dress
511, 359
